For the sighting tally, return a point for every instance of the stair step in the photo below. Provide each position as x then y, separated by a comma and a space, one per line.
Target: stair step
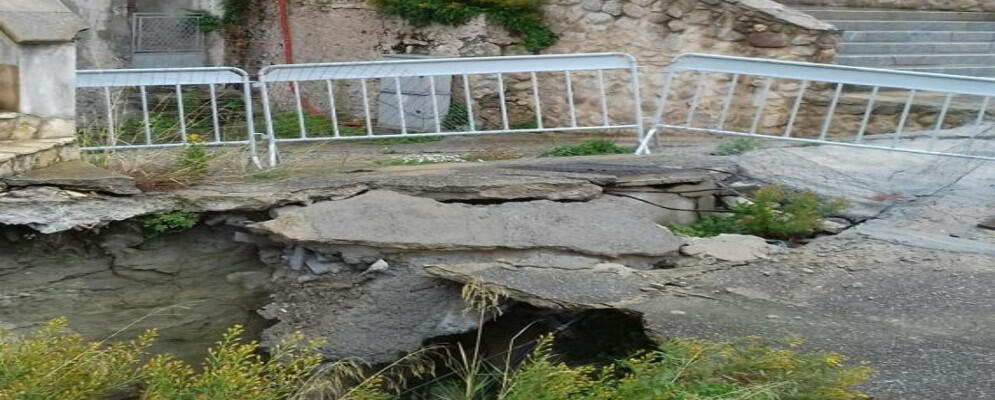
914, 36
884, 25
984, 71
850, 14
892, 48
915, 60
19, 156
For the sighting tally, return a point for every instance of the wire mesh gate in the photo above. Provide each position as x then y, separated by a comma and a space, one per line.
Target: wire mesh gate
821, 104
167, 40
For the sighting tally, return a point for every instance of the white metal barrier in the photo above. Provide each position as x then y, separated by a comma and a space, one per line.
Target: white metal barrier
543, 93
716, 88
165, 113
761, 98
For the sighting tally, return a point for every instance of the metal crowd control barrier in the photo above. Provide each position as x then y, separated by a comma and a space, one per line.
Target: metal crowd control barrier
705, 93
421, 97
170, 109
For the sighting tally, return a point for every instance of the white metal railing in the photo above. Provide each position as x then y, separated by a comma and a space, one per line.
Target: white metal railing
155, 108
717, 88
761, 98
540, 93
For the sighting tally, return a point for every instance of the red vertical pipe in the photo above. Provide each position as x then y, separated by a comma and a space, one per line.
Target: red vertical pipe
288, 46
288, 42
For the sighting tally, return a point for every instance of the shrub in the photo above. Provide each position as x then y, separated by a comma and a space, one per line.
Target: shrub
193, 160
588, 148
747, 369
522, 18
53, 364
737, 146
773, 213
159, 224
233, 369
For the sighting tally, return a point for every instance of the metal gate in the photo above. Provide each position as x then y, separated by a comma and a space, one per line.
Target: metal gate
485, 95
166, 40
821, 104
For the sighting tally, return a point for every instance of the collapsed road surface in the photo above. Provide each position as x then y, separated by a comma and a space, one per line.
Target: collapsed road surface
373, 261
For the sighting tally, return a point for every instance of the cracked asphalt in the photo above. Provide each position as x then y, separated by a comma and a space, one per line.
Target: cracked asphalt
911, 289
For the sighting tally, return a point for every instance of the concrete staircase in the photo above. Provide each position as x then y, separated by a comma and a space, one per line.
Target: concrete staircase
947, 42
26, 143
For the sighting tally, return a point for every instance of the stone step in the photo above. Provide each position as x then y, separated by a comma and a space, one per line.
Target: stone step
885, 25
984, 71
915, 60
914, 36
886, 48
20, 156
862, 14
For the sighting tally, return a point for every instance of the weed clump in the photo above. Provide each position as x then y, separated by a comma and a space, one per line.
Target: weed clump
773, 213
588, 148
522, 18
737, 146
193, 160
51, 363
155, 225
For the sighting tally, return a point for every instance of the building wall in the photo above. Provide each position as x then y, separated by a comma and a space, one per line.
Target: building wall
107, 44
44, 66
9, 82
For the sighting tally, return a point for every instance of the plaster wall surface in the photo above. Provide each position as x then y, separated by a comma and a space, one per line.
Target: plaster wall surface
48, 70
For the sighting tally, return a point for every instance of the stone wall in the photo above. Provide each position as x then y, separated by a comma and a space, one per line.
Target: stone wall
107, 44
654, 31
933, 5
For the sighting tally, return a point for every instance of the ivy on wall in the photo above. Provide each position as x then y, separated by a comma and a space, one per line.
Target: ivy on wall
233, 13
522, 18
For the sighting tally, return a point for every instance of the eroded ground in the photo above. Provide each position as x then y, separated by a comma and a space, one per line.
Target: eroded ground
373, 259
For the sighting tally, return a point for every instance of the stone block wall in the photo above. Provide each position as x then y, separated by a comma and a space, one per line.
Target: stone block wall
657, 31
654, 31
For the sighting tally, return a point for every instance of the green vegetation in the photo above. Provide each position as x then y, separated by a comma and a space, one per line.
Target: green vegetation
737, 146
159, 224
524, 125
234, 370
522, 18
588, 148
457, 119
234, 13
53, 364
287, 125
193, 160
164, 124
772, 213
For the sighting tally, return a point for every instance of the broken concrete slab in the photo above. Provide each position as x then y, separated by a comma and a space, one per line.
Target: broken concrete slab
456, 184
378, 320
49, 209
988, 223
608, 226
730, 247
871, 180
599, 286
491, 185
76, 175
